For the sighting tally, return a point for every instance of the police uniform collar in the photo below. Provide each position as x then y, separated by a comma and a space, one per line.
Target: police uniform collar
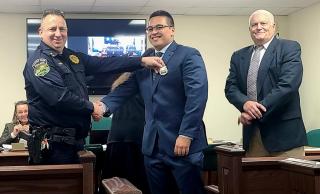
48, 50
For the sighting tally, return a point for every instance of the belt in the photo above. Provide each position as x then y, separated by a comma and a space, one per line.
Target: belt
57, 134
63, 139
62, 131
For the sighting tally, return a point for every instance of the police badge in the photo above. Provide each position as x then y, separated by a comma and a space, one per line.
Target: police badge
163, 70
74, 59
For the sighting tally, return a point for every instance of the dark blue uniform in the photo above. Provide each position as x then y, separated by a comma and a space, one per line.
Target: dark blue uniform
57, 94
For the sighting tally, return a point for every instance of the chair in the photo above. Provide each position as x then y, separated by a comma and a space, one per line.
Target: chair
313, 137
103, 124
118, 185
100, 130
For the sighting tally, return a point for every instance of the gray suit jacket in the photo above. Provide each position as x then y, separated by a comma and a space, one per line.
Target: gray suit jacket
6, 135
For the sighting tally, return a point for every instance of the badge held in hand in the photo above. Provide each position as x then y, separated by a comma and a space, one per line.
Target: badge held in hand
163, 70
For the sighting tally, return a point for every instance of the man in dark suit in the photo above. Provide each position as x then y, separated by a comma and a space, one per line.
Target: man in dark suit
263, 84
175, 100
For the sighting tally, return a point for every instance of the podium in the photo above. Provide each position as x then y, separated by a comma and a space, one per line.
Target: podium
264, 175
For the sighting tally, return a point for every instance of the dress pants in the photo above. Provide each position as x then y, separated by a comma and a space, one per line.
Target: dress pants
257, 149
164, 172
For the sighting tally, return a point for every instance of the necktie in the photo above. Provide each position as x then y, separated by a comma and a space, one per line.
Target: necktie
253, 74
158, 54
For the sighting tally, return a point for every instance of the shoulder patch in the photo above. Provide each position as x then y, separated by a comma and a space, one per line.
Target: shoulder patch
74, 59
40, 67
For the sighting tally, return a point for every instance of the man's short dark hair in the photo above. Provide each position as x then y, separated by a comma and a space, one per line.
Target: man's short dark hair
163, 13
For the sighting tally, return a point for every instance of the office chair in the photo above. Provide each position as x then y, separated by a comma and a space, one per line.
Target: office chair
99, 131
313, 137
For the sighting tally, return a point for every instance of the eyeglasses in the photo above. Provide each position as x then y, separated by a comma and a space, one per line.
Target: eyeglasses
158, 28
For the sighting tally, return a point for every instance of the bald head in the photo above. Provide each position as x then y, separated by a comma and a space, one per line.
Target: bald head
262, 12
261, 26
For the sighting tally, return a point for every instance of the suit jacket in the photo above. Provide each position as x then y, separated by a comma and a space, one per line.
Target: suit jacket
174, 103
6, 135
278, 82
128, 122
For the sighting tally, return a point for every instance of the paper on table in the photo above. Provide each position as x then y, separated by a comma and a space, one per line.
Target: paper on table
7, 147
307, 148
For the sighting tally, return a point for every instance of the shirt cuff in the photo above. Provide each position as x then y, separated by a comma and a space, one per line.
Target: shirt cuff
186, 137
104, 107
12, 135
106, 110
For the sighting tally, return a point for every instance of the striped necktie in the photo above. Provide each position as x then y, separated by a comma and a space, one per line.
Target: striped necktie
253, 74
158, 54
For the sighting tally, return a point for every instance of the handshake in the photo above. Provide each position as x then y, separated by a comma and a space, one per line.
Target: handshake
98, 110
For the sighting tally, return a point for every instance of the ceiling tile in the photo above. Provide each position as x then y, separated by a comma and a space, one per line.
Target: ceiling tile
67, 2
172, 10
20, 9
68, 9
116, 9
171, 3
120, 2
186, 7
19, 2
214, 11
255, 3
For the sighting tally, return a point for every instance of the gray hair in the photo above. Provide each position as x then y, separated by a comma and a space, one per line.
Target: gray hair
263, 12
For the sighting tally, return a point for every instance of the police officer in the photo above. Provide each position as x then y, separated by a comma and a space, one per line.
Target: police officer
59, 106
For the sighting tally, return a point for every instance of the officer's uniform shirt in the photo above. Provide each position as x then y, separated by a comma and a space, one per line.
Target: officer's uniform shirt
56, 87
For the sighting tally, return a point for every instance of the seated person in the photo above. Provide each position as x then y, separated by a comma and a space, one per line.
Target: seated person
12, 132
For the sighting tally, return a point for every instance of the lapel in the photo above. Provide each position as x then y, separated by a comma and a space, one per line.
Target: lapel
265, 63
166, 57
148, 53
245, 60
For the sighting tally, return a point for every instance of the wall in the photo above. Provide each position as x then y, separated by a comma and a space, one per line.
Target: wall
13, 58
304, 26
215, 36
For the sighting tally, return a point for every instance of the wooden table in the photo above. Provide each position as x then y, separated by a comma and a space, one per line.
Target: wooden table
14, 158
16, 176
311, 151
265, 175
